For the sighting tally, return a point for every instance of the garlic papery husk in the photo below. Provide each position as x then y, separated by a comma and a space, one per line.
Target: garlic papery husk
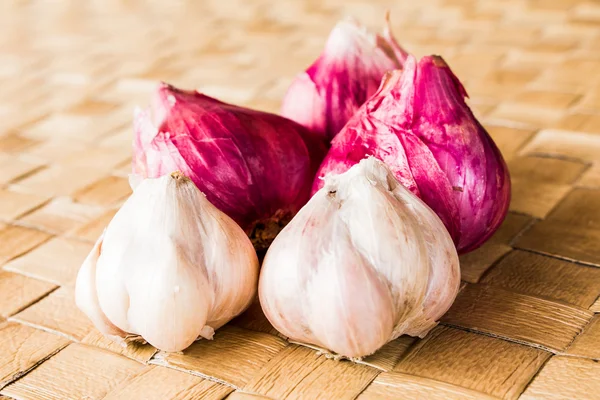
169, 268
419, 124
346, 74
362, 263
254, 166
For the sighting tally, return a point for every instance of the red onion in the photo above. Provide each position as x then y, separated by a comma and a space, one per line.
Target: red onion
256, 167
419, 124
344, 76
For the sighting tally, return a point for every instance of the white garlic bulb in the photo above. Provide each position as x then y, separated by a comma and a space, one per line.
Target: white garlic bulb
170, 267
362, 263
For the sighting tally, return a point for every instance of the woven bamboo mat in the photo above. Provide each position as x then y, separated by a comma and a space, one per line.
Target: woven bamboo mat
524, 325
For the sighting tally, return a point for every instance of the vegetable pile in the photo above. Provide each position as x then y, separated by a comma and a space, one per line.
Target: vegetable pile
403, 179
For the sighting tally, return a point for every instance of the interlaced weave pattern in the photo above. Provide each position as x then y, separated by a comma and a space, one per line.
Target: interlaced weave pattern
523, 326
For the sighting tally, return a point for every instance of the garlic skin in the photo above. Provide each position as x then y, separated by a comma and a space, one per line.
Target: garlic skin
362, 263
346, 74
170, 267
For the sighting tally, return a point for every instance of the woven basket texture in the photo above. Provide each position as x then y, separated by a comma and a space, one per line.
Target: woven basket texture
525, 324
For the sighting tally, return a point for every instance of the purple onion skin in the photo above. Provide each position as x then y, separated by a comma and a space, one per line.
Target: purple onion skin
254, 166
346, 74
419, 125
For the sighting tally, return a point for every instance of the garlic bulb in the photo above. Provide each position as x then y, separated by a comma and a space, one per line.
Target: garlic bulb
363, 262
346, 74
170, 267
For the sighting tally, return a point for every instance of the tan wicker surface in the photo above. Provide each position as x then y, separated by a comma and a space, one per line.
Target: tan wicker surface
70, 74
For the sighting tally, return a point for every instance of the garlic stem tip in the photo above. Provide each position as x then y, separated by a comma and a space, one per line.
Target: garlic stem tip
179, 176
438, 61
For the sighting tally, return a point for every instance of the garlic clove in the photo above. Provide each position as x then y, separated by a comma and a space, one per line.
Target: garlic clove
350, 305
241, 274
169, 300
294, 260
86, 298
444, 277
